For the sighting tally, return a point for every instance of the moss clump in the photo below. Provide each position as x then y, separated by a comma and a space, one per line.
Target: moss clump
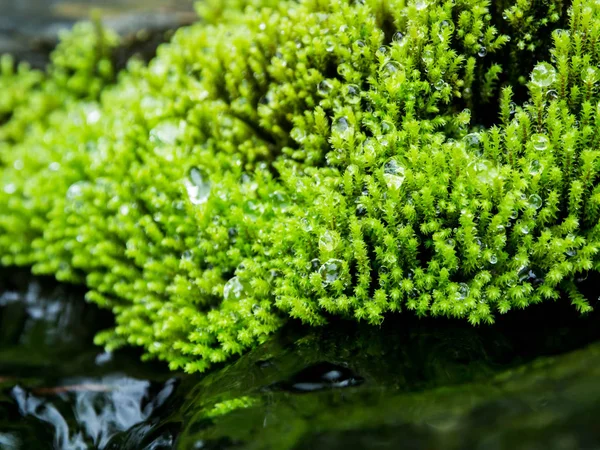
313, 159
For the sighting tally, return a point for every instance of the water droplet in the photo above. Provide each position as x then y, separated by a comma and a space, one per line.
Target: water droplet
472, 140
324, 88
421, 5
165, 132
428, 57
512, 108
93, 116
327, 241
233, 289
360, 210
359, 43
440, 84
342, 126
353, 94
386, 127
10, 188
540, 142
75, 190
524, 229
383, 50
391, 68
535, 201
446, 24
197, 185
571, 252
484, 171
493, 259
543, 75
463, 291
369, 148
535, 168
393, 173
279, 200
552, 94
482, 52
298, 135
398, 37
329, 46
330, 271
450, 242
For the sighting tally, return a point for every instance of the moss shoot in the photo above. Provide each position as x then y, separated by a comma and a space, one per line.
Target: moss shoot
310, 159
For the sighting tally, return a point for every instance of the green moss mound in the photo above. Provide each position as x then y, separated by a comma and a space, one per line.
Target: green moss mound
310, 159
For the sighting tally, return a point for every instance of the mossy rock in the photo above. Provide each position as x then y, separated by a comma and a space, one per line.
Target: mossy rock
310, 160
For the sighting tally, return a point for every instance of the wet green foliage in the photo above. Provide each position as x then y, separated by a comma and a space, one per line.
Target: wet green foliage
310, 159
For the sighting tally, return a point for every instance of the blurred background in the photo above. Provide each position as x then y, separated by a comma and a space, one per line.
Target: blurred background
29, 29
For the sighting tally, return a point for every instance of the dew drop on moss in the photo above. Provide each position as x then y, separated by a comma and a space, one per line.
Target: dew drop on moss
552, 94
482, 52
197, 186
233, 289
330, 271
394, 174
472, 140
398, 37
540, 142
421, 5
463, 291
535, 168
298, 135
342, 127
324, 88
165, 133
10, 188
493, 259
391, 68
543, 75
441, 84
327, 241
353, 94
535, 201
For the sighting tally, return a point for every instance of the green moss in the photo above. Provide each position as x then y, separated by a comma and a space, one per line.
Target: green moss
311, 160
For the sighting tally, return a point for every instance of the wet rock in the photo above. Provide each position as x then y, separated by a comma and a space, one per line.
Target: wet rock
323, 375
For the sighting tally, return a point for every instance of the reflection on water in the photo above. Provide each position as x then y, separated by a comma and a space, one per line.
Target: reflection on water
96, 409
530, 382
